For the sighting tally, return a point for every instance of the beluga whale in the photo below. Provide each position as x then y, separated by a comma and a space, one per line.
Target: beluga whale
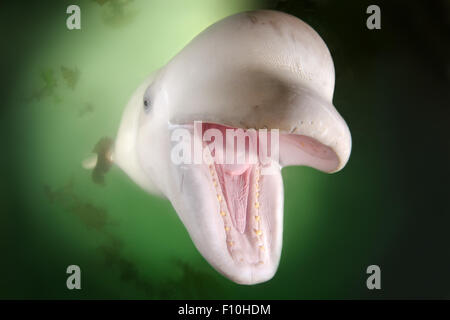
262, 74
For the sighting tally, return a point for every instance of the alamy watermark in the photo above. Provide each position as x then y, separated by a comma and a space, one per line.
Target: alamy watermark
374, 20
374, 280
74, 280
224, 145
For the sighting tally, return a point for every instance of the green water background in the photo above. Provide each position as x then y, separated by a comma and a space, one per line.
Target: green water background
62, 90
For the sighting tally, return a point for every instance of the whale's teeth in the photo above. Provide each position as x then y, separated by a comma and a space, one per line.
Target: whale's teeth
232, 190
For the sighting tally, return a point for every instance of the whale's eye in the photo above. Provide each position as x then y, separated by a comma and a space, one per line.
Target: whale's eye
147, 100
147, 104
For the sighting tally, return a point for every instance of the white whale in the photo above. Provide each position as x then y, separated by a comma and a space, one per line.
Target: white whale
259, 69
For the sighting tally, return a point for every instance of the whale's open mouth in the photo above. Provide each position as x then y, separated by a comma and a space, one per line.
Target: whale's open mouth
233, 201
233, 194
242, 191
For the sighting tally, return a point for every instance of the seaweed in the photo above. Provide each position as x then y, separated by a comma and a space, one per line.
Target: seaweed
191, 284
70, 76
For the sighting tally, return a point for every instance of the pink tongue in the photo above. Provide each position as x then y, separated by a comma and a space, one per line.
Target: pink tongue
235, 169
235, 184
234, 179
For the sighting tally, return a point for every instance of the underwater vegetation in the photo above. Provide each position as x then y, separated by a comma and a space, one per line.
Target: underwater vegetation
191, 282
47, 87
91, 216
86, 109
70, 76
115, 13
48, 82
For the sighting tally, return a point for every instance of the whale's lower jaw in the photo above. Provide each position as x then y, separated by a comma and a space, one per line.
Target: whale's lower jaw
233, 213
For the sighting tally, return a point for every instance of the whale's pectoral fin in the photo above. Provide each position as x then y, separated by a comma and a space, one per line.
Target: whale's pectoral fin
101, 160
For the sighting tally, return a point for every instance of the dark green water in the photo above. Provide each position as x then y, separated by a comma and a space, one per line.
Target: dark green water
63, 90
